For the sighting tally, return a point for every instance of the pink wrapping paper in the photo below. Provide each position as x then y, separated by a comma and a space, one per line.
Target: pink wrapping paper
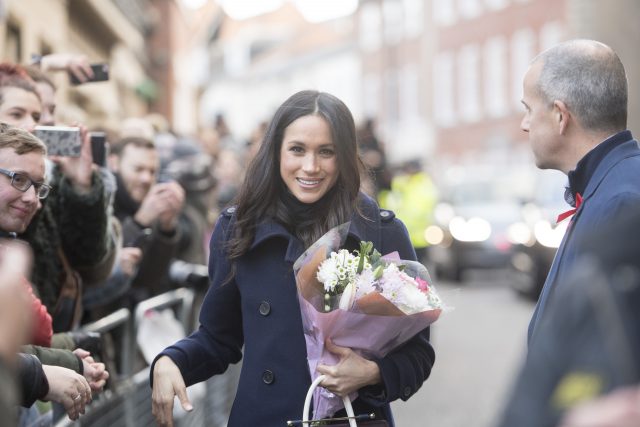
372, 327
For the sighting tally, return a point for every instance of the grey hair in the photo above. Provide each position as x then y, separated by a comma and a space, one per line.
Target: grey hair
590, 79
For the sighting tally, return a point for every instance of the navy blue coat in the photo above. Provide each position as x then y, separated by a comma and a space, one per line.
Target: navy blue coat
259, 309
612, 191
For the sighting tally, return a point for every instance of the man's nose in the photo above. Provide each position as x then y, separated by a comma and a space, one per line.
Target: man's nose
524, 124
29, 124
31, 195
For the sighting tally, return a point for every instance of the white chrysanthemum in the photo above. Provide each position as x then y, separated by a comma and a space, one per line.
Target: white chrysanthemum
411, 300
337, 271
327, 274
365, 283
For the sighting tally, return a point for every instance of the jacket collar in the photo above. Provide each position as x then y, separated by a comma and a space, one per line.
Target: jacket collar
616, 155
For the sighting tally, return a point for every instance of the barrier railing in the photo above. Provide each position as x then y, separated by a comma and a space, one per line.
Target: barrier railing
120, 319
129, 404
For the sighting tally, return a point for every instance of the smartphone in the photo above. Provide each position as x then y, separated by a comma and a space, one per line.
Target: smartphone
100, 74
99, 148
60, 140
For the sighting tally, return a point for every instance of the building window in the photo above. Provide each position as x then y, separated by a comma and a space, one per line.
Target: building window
391, 99
409, 93
468, 83
413, 18
443, 93
13, 43
495, 76
551, 34
496, 4
469, 9
393, 21
371, 95
370, 33
522, 52
444, 12
237, 58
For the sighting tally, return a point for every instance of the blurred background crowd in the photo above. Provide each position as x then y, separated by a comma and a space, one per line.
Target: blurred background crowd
189, 87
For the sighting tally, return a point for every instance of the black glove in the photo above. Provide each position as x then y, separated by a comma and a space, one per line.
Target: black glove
90, 341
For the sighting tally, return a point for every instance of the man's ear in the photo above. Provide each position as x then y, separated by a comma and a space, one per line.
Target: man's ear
562, 116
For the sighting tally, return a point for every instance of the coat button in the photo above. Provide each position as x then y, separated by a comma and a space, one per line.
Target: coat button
265, 308
268, 377
407, 391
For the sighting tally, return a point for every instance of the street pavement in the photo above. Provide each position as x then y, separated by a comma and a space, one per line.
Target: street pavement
479, 346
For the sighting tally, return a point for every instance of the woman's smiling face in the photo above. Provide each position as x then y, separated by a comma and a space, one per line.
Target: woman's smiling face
308, 162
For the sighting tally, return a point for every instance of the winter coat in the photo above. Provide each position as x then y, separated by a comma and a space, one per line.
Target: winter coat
78, 225
259, 310
612, 190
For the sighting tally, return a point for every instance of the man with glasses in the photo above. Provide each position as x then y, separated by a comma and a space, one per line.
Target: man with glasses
22, 163
22, 188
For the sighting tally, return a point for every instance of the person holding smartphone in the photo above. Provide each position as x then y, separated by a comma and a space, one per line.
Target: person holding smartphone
74, 218
148, 211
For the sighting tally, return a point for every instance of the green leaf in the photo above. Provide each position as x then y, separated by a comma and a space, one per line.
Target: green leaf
365, 250
377, 273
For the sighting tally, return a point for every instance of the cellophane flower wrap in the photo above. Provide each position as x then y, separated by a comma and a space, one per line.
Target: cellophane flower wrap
361, 300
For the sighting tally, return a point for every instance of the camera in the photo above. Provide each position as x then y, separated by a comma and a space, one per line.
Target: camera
100, 74
60, 140
189, 274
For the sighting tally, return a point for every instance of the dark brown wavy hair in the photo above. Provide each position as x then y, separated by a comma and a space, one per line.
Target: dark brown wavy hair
261, 194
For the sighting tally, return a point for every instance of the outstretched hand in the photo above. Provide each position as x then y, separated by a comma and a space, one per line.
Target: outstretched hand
75, 64
167, 383
94, 372
350, 374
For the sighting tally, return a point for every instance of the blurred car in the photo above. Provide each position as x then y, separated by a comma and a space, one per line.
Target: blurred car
471, 229
537, 237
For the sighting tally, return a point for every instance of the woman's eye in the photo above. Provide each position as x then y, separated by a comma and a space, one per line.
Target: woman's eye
327, 152
296, 149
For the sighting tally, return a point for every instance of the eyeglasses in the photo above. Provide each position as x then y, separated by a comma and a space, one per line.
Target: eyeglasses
22, 182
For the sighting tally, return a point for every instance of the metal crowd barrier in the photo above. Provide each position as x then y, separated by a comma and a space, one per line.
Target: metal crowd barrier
120, 319
129, 404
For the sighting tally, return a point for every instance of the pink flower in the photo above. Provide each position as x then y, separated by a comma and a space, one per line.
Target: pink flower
422, 284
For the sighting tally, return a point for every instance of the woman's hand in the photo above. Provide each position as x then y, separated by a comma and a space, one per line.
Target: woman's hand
67, 388
94, 372
167, 383
350, 374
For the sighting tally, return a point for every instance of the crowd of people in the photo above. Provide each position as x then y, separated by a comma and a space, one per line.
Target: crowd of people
100, 235
164, 211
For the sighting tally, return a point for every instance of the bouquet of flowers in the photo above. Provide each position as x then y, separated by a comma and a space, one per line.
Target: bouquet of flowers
361, 300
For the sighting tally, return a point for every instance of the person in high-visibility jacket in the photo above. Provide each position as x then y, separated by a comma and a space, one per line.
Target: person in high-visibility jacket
412, 197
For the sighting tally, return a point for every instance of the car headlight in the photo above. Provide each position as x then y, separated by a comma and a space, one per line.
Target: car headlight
519, 233
548, 235
434, 235
473, 230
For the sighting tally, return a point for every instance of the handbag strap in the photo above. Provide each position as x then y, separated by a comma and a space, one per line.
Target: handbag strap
67, 313
307, 404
